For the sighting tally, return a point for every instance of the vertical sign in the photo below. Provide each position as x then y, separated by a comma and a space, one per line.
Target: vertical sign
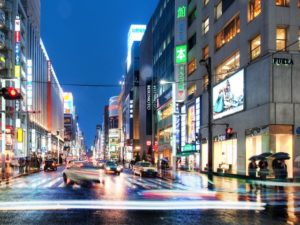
180, 51
149, 107
17, 48
29, 85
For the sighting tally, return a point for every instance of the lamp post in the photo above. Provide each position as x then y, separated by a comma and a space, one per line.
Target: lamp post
207, 64
174, 152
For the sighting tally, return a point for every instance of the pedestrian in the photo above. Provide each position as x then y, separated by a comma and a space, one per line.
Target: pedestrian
263, 169
252, 172
282, 169
275, 167
27, 162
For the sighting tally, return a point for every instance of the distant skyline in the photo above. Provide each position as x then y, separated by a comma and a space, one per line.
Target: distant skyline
87, 44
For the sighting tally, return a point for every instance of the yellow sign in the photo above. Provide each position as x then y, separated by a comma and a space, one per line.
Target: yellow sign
17, 71
20, 135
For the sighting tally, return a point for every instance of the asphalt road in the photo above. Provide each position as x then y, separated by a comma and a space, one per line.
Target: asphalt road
43, 198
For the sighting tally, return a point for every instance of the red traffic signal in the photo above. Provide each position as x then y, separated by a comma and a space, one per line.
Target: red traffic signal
10, 93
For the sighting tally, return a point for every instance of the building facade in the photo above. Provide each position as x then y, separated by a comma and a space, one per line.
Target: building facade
254, 61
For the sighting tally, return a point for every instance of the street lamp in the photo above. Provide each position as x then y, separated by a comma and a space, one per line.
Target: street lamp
207, 64
174, 152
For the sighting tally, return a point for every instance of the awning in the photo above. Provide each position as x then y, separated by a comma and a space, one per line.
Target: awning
186, 153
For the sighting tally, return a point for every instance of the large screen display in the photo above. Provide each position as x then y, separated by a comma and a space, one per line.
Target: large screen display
228, 96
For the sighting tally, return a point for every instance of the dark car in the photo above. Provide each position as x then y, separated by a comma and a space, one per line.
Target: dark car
50, 164
112, 167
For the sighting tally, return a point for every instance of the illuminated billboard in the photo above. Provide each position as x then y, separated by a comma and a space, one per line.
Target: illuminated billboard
68, 103
228, 96
113, 107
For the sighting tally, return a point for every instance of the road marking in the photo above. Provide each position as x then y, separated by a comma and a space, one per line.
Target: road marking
138, 183
53, 182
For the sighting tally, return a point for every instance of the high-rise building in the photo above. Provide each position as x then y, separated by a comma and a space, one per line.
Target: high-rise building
254, 51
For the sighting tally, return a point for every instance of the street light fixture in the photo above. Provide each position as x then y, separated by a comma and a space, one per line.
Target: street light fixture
174, 152
207, 64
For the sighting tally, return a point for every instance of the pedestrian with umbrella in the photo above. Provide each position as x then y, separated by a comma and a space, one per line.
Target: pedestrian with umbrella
263, 165
252, 170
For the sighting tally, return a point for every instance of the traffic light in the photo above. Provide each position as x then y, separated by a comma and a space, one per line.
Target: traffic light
10, 93
229, 132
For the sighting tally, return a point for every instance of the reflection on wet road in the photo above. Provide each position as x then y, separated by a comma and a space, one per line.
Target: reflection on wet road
47, 191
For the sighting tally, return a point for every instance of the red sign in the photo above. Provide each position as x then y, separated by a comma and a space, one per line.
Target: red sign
148, 143
17, 36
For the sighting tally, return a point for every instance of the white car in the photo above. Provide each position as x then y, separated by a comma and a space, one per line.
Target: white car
144, 168
81, 172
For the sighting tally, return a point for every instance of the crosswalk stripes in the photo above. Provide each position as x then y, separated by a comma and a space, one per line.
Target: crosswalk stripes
53, 183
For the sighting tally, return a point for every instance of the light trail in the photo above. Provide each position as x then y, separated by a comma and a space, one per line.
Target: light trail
128, 205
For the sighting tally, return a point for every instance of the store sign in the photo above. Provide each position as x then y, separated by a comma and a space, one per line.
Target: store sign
20, 135
189, 147
181, 12
17, 71
181, 54
148, 108
113, 107
180, 72
282, 61
228, 96
29, 85
17, 25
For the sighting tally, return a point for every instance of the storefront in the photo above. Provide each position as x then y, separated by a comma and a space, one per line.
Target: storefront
273, 139
225, 155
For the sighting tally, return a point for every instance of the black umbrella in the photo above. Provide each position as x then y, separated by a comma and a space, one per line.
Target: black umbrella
281, 155
264, 155
253, 157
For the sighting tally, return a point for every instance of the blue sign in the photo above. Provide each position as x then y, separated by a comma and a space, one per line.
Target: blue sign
298, 131
17, 49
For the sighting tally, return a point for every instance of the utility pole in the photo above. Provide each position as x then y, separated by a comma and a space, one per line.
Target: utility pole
207, 64
3, 129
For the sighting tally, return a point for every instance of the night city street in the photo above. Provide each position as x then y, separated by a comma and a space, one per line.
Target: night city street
45, 192
159, 112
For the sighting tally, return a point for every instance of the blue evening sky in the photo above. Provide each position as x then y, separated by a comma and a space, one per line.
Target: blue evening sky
87, 43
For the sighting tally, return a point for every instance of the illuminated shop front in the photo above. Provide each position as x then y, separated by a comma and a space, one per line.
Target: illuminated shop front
225, 155
273, 138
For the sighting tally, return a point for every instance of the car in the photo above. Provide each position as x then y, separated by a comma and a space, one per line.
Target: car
100, 163
144, 168
50, 164
112, 167
81, 172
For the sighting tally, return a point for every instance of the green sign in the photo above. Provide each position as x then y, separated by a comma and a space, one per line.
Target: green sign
181, 12
181, 54
189, 147
181, 77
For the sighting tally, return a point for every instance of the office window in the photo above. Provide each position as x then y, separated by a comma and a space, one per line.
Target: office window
205, 52
192, 66
191, 89
228, 32
229, 66
255, 48
192, 17
281, 39
192, 41
218, 10
282, 3
205, 26
204, 82
205, 2
254, 9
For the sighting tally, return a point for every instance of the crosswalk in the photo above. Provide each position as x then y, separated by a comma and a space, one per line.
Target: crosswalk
128, 181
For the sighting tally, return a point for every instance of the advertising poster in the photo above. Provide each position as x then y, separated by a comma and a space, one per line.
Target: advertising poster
191, 124
228, 96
